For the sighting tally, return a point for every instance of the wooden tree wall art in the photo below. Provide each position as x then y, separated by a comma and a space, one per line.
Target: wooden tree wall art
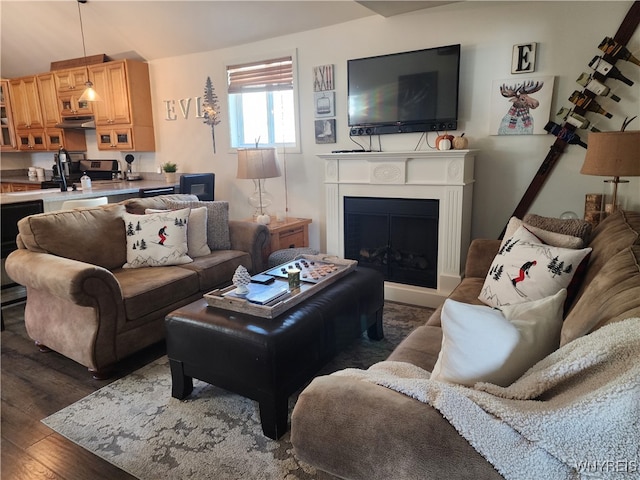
210, 109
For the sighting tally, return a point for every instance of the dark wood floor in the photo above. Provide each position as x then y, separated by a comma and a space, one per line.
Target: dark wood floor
34, 385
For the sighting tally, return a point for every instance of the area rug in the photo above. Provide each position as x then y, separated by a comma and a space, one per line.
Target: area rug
135, 424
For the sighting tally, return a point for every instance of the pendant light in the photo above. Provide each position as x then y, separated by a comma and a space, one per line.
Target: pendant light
89, 95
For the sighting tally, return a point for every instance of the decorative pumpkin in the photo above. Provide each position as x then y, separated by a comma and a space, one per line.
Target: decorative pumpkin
460, 143
443, 142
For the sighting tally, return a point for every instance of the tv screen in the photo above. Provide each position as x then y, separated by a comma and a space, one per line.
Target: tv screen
404, 92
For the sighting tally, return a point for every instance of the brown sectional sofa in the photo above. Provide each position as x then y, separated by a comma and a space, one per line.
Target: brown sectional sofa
360, 430
83, 304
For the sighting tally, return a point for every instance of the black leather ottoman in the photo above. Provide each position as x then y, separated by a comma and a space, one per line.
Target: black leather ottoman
269, 359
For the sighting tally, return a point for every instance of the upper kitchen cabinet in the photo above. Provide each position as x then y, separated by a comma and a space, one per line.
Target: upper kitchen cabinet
125, 109
25, 103
48, 100
7, 135
35, 116
55, 138
70, 84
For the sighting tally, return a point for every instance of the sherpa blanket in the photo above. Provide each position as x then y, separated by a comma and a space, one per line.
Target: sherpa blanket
573, 415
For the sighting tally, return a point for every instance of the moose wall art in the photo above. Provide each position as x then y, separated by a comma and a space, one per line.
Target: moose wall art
520, 106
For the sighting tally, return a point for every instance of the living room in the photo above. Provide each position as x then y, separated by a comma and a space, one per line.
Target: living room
567, 35
487, 32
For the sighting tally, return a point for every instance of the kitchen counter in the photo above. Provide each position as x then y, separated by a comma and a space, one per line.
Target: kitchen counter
115, 190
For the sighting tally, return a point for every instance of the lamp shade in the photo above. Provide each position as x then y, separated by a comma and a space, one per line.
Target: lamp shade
257, 163
613, 154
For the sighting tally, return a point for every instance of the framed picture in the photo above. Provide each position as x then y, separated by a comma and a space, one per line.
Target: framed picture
323, 78
324, 104
326, 130
520, 106
523, 58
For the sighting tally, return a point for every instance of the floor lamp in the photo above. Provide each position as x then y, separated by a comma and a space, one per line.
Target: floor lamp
259, 164
612, 154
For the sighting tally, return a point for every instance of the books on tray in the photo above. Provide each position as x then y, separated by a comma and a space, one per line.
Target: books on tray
260, 293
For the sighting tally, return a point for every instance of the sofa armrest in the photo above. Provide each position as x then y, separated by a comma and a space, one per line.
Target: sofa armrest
481, 253
80, 283
250, 237
358, 430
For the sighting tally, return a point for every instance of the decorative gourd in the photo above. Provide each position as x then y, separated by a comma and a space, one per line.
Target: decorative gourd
460, 143
443, 142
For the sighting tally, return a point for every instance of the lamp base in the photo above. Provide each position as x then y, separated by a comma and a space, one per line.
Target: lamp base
260, 199
614, 196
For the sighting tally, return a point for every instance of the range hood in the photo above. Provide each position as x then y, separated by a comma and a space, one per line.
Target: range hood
79, 122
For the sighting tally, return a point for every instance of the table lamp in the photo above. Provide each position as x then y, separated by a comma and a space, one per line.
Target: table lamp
612, 154
258, 164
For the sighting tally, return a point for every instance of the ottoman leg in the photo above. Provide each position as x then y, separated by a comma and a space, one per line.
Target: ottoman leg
181, 384
375, 331
274, 416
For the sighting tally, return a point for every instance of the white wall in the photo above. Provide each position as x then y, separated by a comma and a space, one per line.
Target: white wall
567, 33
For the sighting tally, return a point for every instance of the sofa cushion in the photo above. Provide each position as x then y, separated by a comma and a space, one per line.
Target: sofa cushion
613, 295
147, 290
218, 236
615, 233
548, 237
159, 202
525, 269
196, 231
482, 344
574, 227
92, 235
157, 239
217, 268
421, 347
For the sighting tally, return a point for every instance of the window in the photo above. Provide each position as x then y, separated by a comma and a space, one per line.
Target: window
261, 103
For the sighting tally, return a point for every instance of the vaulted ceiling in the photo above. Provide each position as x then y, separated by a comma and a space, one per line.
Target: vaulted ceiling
35, 33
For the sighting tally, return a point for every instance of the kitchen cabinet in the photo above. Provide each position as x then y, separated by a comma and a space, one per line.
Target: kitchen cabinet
25, 103
7, 134
48, 95
114, 138
124, 118
72, 140
9, 187
70, 84
110, 81
31, 140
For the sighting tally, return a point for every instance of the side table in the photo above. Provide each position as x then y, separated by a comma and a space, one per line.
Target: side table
291, 232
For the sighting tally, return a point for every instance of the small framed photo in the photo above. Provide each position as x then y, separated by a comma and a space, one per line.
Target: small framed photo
326, 130
523, 58
324, 104
323, 78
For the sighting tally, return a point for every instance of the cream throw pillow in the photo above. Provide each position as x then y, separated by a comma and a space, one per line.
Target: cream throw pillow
196, 231
525, 269
157, 239
483, 344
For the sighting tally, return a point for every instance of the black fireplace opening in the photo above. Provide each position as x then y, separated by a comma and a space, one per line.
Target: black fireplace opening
396, 236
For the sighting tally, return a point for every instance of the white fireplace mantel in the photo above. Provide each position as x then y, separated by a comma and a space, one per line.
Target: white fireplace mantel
446, 176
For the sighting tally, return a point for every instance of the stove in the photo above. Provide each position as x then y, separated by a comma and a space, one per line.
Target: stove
74, 169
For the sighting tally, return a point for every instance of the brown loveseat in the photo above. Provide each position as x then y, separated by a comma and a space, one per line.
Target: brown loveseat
83, 304
359, 430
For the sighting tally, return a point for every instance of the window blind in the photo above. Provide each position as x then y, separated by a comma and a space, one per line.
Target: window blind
262, 76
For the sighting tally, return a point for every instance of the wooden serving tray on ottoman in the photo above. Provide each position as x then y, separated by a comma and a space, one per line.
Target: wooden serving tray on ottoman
316, 273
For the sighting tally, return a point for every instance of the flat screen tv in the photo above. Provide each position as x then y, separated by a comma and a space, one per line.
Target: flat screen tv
414, 91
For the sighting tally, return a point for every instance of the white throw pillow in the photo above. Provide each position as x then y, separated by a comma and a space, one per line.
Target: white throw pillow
525, 269
157, 239
196, 231
483, 344
550, 238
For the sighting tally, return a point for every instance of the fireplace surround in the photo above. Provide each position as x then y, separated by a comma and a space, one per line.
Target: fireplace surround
446, 177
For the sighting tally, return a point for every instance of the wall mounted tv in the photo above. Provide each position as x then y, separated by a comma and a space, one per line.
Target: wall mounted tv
404, 92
